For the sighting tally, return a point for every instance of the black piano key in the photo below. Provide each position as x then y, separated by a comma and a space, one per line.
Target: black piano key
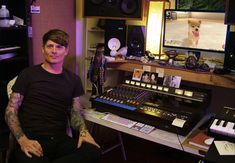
225, 124
218, 122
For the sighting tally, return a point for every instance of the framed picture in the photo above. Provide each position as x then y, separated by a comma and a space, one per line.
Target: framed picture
172, 81
146, 77
212, 5
137, 74
153, 78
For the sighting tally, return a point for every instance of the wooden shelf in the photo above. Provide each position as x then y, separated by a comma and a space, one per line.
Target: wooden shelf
208, 78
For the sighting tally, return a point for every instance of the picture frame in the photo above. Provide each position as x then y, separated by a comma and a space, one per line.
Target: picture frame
172, 81
137, 74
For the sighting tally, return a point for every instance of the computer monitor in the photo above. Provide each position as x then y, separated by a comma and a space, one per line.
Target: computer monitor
194, 30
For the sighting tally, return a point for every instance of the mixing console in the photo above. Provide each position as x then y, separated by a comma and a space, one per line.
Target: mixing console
171, 109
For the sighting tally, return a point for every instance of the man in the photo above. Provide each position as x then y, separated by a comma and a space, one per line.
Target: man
43, 98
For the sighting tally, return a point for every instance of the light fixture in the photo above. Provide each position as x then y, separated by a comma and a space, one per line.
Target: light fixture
154, 26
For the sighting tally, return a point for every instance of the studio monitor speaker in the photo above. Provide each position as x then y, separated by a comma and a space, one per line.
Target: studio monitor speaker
135, 40
113, 9
229, 12
115, 35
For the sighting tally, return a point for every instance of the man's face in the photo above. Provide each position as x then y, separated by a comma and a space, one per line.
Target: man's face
54, 53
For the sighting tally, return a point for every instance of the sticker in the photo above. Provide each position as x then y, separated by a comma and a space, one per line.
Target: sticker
147, 68
178, 122
34, 9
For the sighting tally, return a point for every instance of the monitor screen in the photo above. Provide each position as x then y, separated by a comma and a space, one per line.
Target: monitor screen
197, 30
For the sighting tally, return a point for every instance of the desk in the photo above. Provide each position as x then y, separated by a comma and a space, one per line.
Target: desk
158, 136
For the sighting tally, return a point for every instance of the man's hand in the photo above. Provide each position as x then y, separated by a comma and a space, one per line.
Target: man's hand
30, 147
85, 136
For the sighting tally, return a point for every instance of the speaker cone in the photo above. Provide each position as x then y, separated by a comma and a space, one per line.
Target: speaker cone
129, 6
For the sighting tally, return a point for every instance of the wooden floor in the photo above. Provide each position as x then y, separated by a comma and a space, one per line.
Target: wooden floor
142, 151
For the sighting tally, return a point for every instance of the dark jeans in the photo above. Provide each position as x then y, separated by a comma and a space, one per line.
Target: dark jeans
61, 150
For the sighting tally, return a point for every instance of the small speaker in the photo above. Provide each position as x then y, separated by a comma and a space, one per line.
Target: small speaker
113, 9
229, 61
136, 40
229, 13
115, 35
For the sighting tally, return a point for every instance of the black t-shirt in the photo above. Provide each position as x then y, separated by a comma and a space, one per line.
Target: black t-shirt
47, 99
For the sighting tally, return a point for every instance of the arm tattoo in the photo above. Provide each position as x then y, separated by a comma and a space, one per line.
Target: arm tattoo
77, 119
11, 114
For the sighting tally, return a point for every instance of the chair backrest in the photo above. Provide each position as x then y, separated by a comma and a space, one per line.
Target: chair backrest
10, 85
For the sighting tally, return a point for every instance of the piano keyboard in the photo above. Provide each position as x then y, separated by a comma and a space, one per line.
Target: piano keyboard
223, 127
223, 124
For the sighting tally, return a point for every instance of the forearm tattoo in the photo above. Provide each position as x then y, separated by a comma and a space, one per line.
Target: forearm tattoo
77, 120
11, 114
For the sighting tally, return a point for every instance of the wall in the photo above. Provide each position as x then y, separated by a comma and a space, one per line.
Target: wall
54, 14
80, 41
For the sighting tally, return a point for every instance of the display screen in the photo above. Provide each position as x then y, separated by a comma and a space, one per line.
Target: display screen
198, 30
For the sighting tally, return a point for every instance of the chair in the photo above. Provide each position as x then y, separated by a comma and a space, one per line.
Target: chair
10, 85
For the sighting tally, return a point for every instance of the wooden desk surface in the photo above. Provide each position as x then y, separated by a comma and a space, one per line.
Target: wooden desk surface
208, 78
158, 136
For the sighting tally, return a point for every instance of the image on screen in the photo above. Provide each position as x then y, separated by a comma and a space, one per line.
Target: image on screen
198, 30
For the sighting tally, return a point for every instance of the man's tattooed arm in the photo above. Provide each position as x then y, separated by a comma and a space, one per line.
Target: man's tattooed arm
11, 115
77, 118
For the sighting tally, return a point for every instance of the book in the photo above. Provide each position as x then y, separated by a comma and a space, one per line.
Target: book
201, 140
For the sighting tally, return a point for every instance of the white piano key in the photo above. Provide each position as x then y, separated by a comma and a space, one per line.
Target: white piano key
230, 129
224, 128
213, 125
220, 129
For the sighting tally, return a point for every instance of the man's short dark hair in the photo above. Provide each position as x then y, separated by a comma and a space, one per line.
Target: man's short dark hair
56, 35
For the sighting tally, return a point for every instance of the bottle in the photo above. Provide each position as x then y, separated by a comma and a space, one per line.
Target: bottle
4, 16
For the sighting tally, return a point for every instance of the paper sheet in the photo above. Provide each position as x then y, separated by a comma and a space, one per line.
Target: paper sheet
225, 147
178, 122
